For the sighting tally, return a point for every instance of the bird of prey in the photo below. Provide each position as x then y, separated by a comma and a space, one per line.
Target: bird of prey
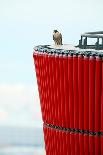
57, 37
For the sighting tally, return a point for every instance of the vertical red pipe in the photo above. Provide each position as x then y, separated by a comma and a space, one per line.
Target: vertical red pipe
68, 143
71, 101
81, 101
102, 110
76, 103
55, 85
91, 103
37, 60
40, 87
56, 66
61, 99
59, 93
59, 141
42, 63
66, 96
66, 90
86, 104
75, 88
62, 90
49, 118
45, 85
37, 69
46, 138
98, 83
71, 95
53, 144
48, 89
57, 144
52, 88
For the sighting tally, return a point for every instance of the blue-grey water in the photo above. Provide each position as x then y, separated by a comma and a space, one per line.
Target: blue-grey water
21, 141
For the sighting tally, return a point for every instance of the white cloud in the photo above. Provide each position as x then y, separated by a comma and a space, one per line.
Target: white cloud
3, 115
19, 105
43, 10
24, 22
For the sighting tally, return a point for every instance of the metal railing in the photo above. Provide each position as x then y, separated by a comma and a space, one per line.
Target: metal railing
97, 46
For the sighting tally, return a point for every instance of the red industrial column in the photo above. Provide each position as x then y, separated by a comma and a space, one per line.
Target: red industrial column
70, 84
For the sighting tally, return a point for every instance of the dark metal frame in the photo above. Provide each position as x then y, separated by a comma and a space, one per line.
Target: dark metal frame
85, 36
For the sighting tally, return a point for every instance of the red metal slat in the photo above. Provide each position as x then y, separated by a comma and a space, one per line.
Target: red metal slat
42, 62
40, 85
48, 90
37, 69
51, 91
91, 103
81, 143
38, 65
66, 91
77, 145
75, 89
71, 95
98, 84
59, 141
68, 143
102, 111
54, 91
56, 83
50, 101
61, 99
52, 143
56, 142
76, 103
71, 102
102, 145
86, 144
44, 80
91, 93
46, 75
86, 104
102, 100
81, 100
58, 91
46, 138
97, 145
91, 145
81, 91
86, 93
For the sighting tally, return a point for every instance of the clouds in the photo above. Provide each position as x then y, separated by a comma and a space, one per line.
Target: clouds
3, 115
24, 24
19, 105
36, 10
40, 12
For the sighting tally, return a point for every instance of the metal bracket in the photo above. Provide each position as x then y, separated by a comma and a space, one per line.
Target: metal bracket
97, 46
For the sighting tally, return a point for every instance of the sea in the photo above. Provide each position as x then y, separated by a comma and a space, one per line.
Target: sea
21, 141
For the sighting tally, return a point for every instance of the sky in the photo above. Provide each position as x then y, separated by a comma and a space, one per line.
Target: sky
23, 25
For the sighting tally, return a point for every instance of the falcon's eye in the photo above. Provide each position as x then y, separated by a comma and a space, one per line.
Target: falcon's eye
55, 31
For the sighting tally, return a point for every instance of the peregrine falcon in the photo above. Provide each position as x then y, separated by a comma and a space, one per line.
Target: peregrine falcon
57, 37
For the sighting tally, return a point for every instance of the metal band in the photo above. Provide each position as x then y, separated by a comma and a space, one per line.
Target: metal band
73, 130
84, 52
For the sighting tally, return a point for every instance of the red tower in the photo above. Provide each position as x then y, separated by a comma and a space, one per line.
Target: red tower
70, 83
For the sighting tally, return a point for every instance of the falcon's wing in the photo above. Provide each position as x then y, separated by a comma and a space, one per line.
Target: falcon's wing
61, 37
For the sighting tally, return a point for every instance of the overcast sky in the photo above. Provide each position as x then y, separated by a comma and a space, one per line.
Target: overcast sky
24, 24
